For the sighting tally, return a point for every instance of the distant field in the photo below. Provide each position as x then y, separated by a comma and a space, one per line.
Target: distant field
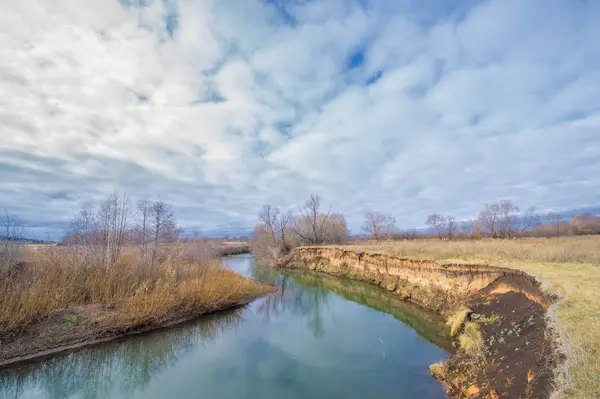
567, 266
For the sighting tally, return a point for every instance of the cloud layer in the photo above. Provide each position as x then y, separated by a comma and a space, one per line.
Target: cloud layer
400, 106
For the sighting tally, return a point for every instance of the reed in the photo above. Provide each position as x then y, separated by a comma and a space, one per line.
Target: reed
63, 277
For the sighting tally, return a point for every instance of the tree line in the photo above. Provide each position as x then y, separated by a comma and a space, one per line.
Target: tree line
116, 223
280, 231
503, 219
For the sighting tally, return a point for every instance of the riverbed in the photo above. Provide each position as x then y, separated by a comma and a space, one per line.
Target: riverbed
317, 337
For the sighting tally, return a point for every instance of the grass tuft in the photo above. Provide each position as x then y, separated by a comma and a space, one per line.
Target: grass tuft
438, 370
457, 319
471, 340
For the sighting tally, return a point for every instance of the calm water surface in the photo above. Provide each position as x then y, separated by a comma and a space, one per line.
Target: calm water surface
318, 337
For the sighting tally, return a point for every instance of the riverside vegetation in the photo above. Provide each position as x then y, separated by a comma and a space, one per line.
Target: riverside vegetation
100, 284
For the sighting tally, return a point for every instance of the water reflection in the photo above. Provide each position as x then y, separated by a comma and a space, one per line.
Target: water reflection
306, 293
306, 302
122, 365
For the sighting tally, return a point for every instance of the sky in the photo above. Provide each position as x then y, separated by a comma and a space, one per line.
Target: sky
218, 107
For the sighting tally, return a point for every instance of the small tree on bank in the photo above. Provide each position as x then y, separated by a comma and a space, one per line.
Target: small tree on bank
310, 225
162, 226
504, 220
112, 224
11, 233
438, 223
378, 225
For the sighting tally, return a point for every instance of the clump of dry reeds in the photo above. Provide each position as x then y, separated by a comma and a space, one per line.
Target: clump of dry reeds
64, 277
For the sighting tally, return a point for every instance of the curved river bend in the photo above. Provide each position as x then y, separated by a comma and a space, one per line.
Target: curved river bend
318, 337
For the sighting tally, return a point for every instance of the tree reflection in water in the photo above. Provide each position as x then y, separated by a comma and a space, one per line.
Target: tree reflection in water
127, 364
304, 300
306, 292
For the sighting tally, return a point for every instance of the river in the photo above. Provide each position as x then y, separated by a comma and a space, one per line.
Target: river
318, 337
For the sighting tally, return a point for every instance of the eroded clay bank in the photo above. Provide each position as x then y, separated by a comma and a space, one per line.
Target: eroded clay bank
506, 306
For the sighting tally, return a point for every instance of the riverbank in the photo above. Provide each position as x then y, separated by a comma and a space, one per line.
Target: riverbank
566, 266
498, 315
61, 299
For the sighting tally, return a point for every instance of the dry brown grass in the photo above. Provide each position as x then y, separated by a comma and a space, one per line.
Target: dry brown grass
471, 341
63, 278
457, 319
577, 249
567, 266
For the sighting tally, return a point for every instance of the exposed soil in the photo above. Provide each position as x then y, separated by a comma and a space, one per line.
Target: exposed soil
507, 305
519, 353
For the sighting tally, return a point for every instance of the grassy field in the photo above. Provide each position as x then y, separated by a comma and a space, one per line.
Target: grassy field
55, 278
567, 266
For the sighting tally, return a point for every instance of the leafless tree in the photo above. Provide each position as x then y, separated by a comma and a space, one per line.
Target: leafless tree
584, 223
82, 229
505, 220
310, 226
335, 229
143, 225
282, 223
269, 216
112, 223
11, 234
513, 222
554, 219
437, 222
527, 220
162, 225
450, 226
489, 218
379, 225
509, 213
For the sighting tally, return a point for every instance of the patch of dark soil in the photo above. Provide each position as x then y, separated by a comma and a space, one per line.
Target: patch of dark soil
518, 356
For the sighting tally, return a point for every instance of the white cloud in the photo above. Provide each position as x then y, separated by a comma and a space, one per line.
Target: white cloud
443, 109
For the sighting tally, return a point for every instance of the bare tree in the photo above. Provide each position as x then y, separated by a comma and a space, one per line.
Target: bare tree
528, 220
390, 226
11, 234
505, 220
450, 226
335, 229
112, 223
82, 229
162, 226
437, 222
509, 212
282, 224
514, 222
554, 219
269, 216
143, 225
489, 218
378, 224
310, 225
584, 223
